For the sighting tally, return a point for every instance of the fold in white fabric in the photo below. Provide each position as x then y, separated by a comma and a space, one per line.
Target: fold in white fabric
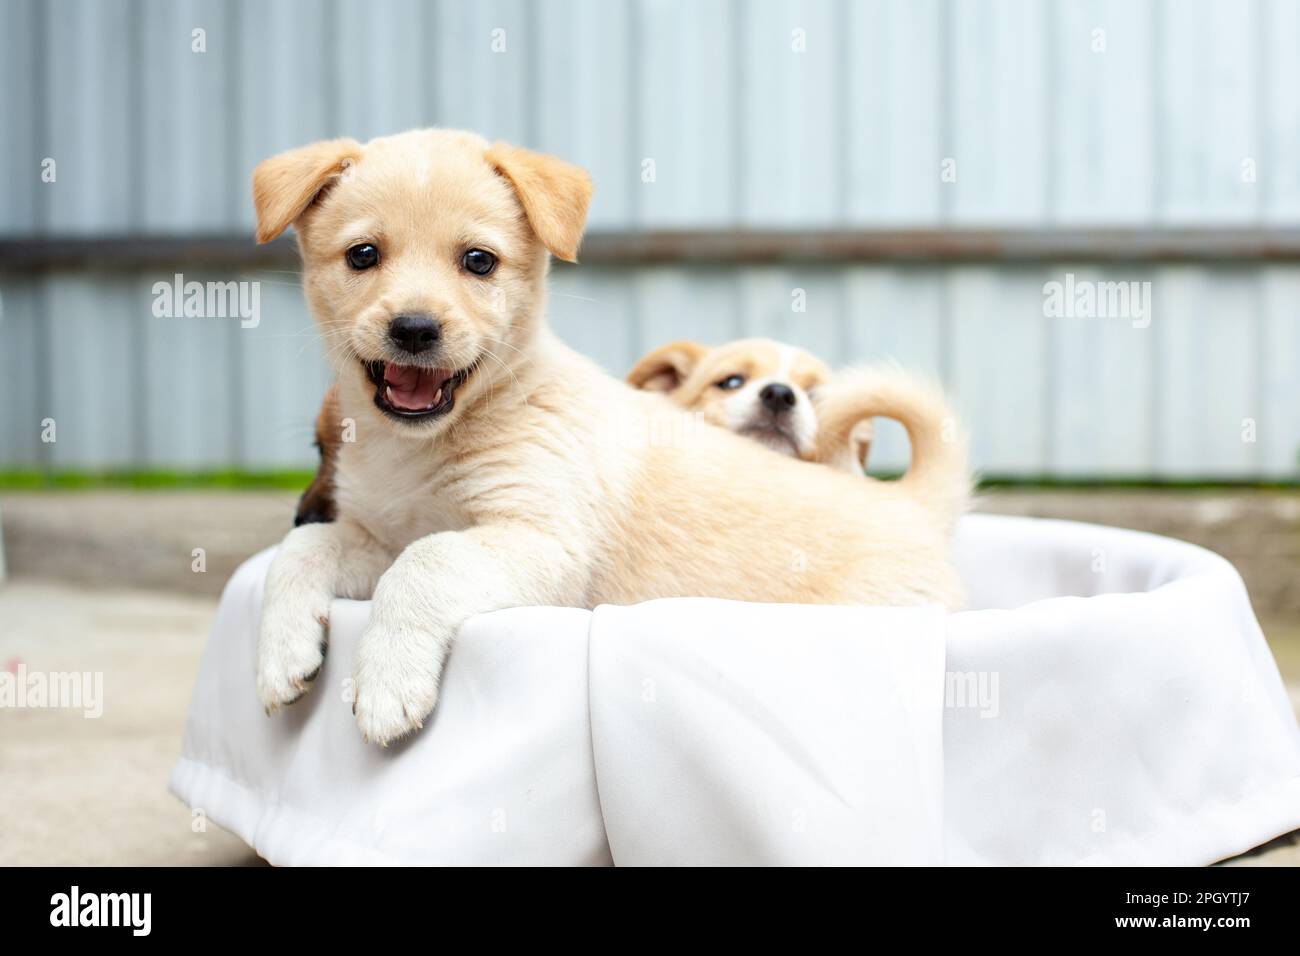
1141, 720
733, 734
501, 774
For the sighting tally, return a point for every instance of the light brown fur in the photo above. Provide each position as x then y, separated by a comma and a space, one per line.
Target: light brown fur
548, 482
698, 377
939, 474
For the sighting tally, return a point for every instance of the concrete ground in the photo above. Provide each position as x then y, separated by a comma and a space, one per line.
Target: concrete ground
93, 791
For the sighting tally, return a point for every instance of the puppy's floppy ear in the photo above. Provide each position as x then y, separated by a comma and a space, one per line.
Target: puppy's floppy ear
554, 194
666, 367
286, 184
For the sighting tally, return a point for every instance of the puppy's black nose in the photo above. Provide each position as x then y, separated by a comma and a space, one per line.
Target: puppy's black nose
415, 333
777, 398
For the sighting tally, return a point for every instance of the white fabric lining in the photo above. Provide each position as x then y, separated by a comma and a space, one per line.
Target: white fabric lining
1141, 722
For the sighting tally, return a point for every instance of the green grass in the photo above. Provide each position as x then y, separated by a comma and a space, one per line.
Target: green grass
234, 479
1192, 483
229, 479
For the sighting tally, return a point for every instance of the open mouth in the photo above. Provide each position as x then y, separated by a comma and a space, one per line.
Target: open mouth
414, 393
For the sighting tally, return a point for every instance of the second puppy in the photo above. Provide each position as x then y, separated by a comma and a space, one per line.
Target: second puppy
789, 400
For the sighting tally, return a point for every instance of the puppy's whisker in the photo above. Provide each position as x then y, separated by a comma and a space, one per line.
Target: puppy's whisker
505, 343
276, 282
581, 298
342, 351
509, 371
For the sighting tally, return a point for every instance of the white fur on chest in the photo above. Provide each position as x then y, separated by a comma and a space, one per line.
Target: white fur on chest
560, 455
395, 490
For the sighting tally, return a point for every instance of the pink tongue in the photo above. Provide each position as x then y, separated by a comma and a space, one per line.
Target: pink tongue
411, 388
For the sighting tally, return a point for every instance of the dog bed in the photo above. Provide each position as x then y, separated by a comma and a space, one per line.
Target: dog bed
1109, 700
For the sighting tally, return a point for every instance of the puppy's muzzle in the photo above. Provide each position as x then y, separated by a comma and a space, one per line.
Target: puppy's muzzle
777, 398
415, 333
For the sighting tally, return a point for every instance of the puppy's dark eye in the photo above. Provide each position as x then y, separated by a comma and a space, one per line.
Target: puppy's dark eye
732, 382
363, 256
479, 261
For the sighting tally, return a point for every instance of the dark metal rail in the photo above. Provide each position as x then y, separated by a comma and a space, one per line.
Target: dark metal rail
736, 246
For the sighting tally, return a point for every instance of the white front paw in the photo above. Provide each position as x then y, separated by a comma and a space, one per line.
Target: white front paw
290, 650
396, 683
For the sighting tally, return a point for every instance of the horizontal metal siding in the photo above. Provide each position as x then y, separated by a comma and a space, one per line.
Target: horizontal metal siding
814, 114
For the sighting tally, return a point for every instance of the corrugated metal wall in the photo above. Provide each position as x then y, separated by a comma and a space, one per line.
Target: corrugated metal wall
1162, 128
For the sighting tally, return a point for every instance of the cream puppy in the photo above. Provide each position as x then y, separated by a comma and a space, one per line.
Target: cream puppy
790, 401
754, 387
494, 467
